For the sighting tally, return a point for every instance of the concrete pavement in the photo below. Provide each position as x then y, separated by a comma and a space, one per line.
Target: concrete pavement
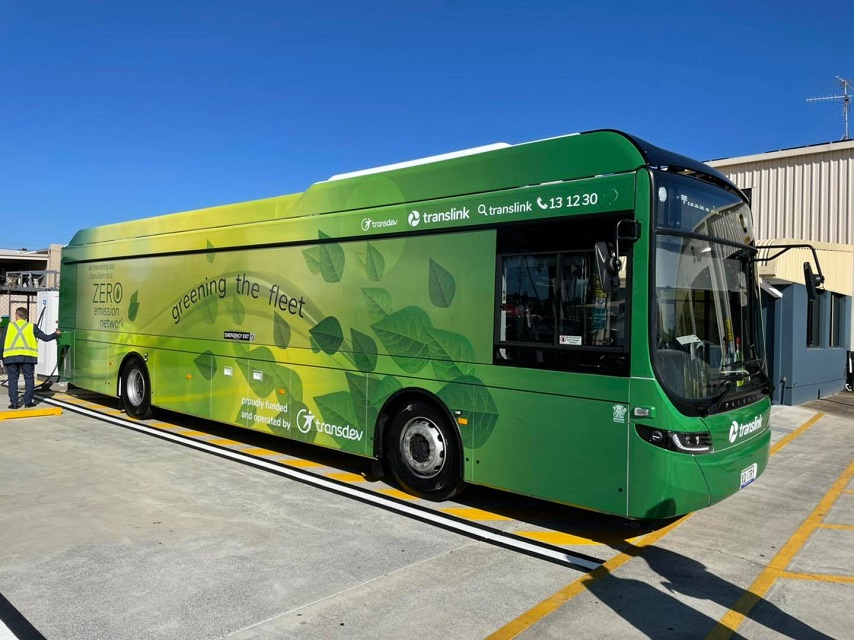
108, 533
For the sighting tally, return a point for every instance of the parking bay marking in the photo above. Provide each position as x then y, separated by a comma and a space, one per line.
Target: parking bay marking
558, 599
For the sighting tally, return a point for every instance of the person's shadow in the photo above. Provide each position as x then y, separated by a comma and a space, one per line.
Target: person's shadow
661, 615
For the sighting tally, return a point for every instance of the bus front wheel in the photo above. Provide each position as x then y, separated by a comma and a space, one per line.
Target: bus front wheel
423, 454
136, 390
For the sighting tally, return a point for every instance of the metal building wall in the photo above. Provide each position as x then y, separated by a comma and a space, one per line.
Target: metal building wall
805, 193
836, 260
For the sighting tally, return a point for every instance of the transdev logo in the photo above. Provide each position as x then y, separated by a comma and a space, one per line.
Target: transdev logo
414, 219
306, 420
368, 224
737, 430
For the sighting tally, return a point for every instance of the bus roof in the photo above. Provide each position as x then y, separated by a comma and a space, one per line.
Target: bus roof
478, 170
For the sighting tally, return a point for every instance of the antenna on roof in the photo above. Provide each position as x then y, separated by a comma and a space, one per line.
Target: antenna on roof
846, 102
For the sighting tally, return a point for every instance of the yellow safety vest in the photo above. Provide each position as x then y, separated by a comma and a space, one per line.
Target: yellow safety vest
20, 340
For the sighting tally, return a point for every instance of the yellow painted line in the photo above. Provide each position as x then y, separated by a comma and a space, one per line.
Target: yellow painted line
397, 493
473, 514
304, 464
346, 477
30, 413
563, 538
782, 442
193, 434
553, 603
754, 594
840, 527
260, 452
223, 441
165, 425
555, 537
820, 577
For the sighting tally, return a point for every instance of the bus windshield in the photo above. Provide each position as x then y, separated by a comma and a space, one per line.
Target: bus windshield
708, 335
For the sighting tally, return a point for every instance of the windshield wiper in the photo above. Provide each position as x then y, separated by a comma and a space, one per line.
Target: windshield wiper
712, 405
760, 371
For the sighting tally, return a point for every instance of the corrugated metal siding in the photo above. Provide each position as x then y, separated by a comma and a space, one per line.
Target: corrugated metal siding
806, 193
837, 265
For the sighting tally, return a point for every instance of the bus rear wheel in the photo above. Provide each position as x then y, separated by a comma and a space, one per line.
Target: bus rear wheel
136, 390
422, 452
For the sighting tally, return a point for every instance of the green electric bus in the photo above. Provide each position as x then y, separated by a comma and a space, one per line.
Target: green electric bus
575, 319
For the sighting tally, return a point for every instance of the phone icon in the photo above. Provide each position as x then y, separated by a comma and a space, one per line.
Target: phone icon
541, 204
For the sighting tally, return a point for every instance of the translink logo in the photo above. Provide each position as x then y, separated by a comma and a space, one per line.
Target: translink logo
737, 430
451, 215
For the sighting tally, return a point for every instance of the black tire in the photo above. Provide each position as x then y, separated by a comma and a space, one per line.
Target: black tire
422, 452
136, 390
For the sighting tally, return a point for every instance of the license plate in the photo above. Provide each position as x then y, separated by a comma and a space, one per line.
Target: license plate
748, 475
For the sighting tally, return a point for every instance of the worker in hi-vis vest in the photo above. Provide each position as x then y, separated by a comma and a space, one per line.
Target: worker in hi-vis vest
20, 355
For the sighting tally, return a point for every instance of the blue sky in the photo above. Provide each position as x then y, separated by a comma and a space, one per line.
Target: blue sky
116, 110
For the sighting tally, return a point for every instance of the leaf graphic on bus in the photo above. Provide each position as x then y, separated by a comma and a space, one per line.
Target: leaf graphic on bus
336, 408
474, 402
374, 263
378, 303
281, 426
281, 331
312, 259
452, 354
331, 260
441, 284
404, 334
133, 307
238, 311
242, 420
382, 390
364, 351
288, 379
210, 255
260, 372
327, 334
261, 386
377, 392
303, 422
206, 364
210, 308
358, 385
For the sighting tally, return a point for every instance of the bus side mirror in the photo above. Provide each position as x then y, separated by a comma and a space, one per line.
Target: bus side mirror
607, 266
811, 281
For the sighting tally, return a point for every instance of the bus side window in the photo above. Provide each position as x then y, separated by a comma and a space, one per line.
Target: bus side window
589, 316
528, 299
556, 300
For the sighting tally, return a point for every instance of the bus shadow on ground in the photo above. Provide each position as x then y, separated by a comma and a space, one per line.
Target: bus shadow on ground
664, 607
505, 511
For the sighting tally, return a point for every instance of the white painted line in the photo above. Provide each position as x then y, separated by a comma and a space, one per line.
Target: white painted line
485, 534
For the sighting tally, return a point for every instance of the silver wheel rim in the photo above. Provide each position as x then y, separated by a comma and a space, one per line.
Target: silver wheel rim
135, 390
423, 447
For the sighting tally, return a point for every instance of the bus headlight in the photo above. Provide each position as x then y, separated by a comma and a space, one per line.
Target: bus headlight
680, 441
